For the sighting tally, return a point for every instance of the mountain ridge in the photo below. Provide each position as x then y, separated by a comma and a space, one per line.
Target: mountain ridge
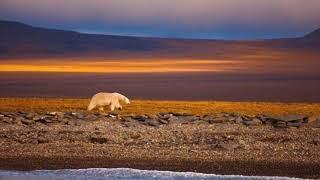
20, 40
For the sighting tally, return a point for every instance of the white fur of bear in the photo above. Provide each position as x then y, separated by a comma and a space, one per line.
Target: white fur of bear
107, 99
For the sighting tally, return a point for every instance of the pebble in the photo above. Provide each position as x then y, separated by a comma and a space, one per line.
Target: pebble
7, 120
294, 124
218, 120
27, 121
286, 118
152, 122
280, 124
30, 115
314, 124
239, 119
229, 145
253, 122
162, 121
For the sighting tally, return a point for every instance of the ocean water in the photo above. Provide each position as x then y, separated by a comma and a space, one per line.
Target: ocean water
120, 173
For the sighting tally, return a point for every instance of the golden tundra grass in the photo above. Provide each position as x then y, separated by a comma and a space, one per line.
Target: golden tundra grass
155, 106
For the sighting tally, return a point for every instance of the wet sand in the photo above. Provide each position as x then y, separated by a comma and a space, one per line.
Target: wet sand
236, 167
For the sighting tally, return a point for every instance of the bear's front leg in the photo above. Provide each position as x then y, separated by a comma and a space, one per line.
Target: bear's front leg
112, 106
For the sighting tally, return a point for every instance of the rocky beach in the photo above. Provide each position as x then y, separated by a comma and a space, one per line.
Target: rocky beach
220, 143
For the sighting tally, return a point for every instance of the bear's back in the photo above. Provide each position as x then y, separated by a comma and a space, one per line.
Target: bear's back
102, 98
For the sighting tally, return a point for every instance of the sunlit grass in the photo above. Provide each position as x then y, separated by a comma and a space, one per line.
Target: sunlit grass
111, 66
155, 106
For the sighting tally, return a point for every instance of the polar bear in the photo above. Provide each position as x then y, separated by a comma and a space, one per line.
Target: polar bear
107, 99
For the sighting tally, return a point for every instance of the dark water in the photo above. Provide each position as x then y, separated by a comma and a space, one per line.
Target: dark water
187, 86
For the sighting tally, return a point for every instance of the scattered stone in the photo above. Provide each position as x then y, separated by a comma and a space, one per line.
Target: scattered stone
315, 142
163, 113
207, 117
129, 124
42, 140
8, 114
78, 123
314, 124
294, 124
65, 121
164, 116
47, 121
79, 115
151, 116
218, 120
135, 136
312, 119
30, 115
60, 114
263, 118
280, 124
104, 114
173, 119
113, 113
98, 140
214, 119
231, 119
51, 113
162, 121
247, 118
230, 145
70, 123
185, 119
253, 122
91, 117
19, 118
8, 120
152, 122
27, 121
74, 118
38, 118
287, 118
238, 119
180, 114
127, 118
68, 115
140, 117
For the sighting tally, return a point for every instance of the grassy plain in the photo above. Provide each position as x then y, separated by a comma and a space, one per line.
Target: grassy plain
156, 106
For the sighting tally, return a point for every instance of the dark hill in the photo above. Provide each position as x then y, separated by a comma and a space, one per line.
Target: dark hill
18, 38
21, 40
314, 35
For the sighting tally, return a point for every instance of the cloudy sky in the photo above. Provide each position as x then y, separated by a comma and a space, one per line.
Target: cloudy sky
221, 19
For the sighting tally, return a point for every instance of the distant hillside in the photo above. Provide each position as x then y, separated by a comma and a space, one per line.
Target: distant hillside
315, 35
18, 38
21, 40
